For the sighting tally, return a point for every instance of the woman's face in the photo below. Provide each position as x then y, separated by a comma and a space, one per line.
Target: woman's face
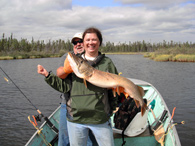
91, 43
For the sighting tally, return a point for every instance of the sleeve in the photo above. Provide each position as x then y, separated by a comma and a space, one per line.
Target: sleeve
112, 68
61, 85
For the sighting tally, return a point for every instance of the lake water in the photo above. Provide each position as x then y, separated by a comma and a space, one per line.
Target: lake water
175, 81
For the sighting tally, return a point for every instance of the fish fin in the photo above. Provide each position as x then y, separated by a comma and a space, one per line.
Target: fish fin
143, 109
113, 91
126, 94
85, 83
137, 103
141, 90
122, 90
118, 90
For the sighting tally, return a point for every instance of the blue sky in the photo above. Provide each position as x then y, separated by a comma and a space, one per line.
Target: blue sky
96, 3
102, 3
115, 3
119, 20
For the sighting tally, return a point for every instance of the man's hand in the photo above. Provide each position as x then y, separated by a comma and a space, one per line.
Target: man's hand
63, 71
41, 70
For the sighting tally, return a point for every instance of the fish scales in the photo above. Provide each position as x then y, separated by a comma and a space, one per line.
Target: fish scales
106, 80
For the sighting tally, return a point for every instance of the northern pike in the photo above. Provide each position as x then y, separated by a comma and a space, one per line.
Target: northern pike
106, 80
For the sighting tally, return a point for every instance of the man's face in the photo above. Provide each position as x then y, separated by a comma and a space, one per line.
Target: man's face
78, 45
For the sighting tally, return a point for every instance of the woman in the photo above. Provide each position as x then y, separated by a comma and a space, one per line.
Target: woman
91, 107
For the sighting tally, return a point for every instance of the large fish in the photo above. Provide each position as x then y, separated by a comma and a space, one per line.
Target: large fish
106, 80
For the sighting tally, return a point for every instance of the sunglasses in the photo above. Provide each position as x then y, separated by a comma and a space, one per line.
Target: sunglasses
75, 42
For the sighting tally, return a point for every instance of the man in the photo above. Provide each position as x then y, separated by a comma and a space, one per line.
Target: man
77, 41
63, 71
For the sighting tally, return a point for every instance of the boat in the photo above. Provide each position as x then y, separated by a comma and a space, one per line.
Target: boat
155, 128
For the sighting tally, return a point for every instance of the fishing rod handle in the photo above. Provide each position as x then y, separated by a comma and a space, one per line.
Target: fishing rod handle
160, 120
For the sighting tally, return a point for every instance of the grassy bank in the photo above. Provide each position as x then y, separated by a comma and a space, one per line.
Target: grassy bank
30, 55
33, 55
174, 58
176, 54
125, 53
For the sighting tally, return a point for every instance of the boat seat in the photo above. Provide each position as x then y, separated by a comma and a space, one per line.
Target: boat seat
136, 127
145, 133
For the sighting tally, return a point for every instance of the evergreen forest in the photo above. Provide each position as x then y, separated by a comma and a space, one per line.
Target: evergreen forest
23, 48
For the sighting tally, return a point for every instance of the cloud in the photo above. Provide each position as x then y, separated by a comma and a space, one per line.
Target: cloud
128, 23
153, 3
46, 19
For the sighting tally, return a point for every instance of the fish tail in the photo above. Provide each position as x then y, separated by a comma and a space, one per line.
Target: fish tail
143, 109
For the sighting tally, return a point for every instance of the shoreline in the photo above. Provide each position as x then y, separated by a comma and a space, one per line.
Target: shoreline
170, 57
25, 56
152, 56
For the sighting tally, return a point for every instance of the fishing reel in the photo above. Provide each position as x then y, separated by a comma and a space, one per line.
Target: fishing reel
38, 117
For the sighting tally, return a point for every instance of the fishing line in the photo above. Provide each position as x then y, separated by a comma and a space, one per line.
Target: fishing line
37, 117
20, 91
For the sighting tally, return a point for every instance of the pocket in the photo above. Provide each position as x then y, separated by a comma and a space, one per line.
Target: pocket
87, 103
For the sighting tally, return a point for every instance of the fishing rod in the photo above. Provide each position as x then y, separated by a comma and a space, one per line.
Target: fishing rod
20, 91
37, 117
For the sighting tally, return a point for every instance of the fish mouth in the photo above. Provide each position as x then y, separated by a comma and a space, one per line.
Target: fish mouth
74, 58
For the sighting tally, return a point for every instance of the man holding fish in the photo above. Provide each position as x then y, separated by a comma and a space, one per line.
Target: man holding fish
89, 106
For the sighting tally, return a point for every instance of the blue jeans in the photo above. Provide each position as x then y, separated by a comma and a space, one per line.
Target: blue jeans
79, 133
63, 139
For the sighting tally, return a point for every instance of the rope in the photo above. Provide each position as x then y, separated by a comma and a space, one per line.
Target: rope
170, 126
174, 124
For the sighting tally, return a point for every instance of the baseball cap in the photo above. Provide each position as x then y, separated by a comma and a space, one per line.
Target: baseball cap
77, 35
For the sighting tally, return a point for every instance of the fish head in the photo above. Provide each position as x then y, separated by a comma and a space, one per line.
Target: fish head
80, 66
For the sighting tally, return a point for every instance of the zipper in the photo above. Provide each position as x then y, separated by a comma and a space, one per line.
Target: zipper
88, 94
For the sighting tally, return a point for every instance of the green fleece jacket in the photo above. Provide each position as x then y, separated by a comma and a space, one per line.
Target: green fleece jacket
91, 105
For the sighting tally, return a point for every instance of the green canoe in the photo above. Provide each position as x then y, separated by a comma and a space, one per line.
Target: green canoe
156, 119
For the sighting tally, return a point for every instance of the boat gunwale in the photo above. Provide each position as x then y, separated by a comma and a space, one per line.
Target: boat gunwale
144, 83
42, 125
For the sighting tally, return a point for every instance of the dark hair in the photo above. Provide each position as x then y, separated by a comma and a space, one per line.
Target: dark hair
94, 30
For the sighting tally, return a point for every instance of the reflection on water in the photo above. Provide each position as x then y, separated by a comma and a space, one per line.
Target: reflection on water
175, 81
